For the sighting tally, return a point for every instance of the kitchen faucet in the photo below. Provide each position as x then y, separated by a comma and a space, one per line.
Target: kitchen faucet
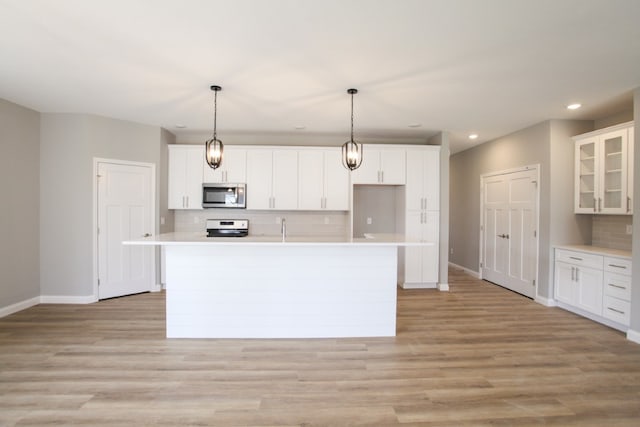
283, 228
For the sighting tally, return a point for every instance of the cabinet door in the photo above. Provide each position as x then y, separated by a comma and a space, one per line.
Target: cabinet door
369, 170
193, 190
414, 188
177, 177
259, 179
185, 177
413, 254
612, 197
233, 167
311, 179
589, 290
630, 167
336, 182
431, 254
564, 284
285, 179
393, 166
586, 180
431, 180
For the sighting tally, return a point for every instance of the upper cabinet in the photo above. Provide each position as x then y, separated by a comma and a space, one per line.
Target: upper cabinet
185, 176
323, 183
233, 167
604, 171
272, 179
381, 165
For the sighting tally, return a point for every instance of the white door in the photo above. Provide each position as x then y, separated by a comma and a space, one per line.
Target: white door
125, 211
509, 238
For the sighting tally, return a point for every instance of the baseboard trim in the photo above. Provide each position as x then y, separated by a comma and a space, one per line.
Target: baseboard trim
19, 306
475, 274
67, 299
547, 302
418, 286
444, 287
633, 336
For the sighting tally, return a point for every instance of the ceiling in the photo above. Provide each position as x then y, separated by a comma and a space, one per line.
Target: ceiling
490, 67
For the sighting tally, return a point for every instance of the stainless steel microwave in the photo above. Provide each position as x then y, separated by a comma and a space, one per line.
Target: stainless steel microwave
225, 195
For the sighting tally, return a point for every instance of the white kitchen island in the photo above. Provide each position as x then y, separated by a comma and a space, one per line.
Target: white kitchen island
264, 287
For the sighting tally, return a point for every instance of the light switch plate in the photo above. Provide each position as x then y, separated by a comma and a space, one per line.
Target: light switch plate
629, 228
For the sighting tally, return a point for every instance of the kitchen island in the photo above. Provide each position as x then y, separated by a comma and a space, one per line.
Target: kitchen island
267, 287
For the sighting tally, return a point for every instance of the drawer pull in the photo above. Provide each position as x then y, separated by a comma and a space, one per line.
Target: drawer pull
617, 266
576, 258
617, 286
617, 311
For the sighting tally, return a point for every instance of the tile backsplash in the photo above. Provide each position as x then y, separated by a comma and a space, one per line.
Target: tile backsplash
610, 231
267, 223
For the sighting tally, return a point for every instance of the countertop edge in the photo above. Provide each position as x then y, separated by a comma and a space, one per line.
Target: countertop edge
618, 253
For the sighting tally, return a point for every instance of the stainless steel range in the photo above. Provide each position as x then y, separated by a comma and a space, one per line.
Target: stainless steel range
227, 227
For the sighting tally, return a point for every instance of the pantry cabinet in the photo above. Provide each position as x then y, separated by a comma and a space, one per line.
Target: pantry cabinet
185, 176
381, 165
323, 181
422, 216
272, 179
233, 168
604, 171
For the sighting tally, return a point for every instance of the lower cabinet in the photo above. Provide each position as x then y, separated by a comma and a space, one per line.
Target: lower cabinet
585, 284
421, 263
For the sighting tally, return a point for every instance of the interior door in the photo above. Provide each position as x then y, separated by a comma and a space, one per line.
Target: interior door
125, 211
509, 239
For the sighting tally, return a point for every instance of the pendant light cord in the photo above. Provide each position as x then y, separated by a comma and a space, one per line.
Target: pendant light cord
351, 117
215, 113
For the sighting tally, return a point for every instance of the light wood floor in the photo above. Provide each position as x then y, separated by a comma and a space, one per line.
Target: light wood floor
478, 355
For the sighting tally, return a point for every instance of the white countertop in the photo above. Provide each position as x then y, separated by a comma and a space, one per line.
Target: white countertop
597, 250
192, 238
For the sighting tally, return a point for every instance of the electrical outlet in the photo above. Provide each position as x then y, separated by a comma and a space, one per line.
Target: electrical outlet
326, 220
278, 220
451, 251
161, 220
369, 221
629, 228
196, 220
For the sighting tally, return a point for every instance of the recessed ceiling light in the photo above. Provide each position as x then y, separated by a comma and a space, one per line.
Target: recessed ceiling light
573, 106
179, 126
414, 125
299, 127
473, 136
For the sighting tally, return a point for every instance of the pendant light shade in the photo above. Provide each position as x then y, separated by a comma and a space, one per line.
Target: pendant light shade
214, 147
351, 150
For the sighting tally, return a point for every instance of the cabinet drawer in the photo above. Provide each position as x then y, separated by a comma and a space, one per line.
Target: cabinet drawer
616, 310
579, 258
617, 265
617, 285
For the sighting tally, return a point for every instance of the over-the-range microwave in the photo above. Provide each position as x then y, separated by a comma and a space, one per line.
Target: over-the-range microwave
226, 195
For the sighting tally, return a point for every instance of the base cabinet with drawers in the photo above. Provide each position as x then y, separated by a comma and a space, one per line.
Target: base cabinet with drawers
597, 286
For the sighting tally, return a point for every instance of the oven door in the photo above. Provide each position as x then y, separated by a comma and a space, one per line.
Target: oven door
223, 196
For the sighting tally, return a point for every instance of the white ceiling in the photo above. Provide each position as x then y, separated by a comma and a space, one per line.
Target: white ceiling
490, 66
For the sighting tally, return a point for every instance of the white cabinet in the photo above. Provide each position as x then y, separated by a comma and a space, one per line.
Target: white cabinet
602, 171
422, 216
233, 168
272, 179
593, 285
421, 263
323, 182
185, 176
423, 179
381, 165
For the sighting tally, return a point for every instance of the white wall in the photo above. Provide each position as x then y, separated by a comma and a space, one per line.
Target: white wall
69, 143
19, 192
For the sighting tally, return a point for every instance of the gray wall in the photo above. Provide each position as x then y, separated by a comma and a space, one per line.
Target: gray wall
635, 288
547, 144
19, 190
69, 143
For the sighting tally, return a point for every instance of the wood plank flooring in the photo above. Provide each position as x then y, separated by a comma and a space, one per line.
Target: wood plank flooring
478, 355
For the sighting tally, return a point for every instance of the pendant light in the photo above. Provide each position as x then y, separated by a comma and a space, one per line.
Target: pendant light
214, 147
351, 150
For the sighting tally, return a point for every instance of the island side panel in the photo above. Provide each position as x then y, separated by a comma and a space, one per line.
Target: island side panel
281, 291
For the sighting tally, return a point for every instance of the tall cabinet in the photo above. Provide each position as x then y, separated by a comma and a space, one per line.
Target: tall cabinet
604, 171
422, 216
185, 176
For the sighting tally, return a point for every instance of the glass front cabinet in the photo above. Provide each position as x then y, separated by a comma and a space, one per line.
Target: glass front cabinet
602, 160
